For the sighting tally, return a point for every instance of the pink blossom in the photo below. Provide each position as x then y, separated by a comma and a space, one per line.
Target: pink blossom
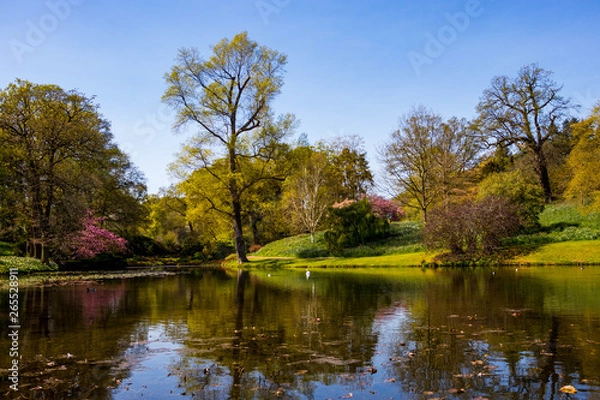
384, 208
93, 240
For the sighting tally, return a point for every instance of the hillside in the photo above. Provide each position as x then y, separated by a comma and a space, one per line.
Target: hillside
566, 237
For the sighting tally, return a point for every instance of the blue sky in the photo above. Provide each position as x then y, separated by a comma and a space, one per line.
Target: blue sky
353, 66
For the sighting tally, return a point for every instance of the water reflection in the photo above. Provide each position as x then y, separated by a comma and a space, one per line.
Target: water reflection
379, 333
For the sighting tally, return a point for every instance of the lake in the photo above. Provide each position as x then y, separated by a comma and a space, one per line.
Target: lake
380, 333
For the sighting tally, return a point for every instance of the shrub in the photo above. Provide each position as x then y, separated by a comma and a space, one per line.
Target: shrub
192, 248
471, 228
92, 240
353, 223
145, 246
513, 186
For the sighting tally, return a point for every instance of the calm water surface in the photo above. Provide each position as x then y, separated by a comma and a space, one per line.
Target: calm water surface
360, 334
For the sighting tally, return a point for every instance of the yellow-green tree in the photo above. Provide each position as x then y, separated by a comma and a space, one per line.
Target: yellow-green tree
59, 161
584, 161
226, 99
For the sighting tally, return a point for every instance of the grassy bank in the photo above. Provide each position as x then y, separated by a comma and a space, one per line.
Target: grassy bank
564, 253
566, 237
24, 265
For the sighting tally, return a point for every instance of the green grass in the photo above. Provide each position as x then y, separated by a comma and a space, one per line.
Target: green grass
577, 252
561, 223
393, 260
24, 264
405, 238
560, 216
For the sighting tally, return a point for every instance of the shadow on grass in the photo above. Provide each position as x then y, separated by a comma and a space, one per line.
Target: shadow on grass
502, 256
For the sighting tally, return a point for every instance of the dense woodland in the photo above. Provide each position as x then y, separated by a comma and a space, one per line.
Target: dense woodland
246, 178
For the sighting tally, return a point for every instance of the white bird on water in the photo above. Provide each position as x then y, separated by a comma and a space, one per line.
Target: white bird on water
307, 274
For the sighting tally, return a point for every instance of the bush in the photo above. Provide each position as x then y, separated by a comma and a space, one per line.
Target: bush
144, 246
352, 224
471, 228
513, 186
192, 248
384, 208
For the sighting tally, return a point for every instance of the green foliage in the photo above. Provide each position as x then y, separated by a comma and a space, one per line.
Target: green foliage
145, 246
227, 98
352, 225
6, 249
584, 162
24, 264
192, 248
528, 197
57, 161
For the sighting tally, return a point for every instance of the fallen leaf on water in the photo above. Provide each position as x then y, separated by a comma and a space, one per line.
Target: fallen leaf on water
568, 389
348, 396
390, 380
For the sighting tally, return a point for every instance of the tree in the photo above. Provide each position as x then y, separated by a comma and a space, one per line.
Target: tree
426, 156
524, 112
456, 153
54, 144
117, 193
348, 159
584, 161
309, 191
227, 98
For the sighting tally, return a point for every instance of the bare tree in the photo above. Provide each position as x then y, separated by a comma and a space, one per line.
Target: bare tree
524, 111
308, 193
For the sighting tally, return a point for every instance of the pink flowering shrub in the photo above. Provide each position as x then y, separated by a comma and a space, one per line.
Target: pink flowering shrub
385, 209
93, 240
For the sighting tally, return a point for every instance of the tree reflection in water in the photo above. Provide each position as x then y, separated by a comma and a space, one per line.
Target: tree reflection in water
379, 333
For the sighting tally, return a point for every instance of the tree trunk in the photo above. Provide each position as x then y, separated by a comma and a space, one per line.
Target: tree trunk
238, 236
542, 172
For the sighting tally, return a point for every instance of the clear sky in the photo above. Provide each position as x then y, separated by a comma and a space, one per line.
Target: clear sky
353, 66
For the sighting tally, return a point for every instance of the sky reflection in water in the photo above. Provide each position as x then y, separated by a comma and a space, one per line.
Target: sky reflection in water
378, 333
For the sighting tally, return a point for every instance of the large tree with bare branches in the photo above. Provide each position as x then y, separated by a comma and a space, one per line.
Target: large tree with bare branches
524, 112
227, 99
